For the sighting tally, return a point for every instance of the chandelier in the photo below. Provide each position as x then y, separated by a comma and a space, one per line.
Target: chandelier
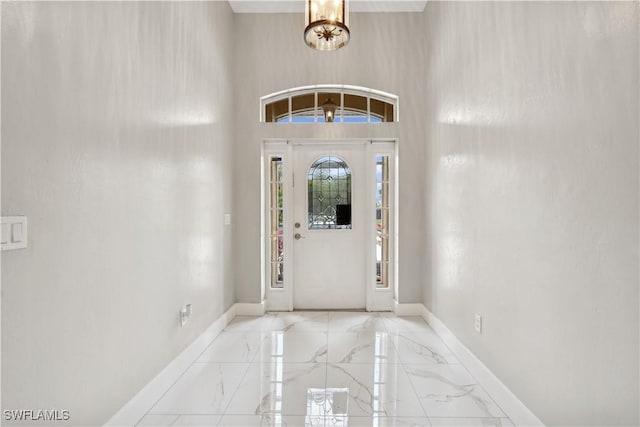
326, 24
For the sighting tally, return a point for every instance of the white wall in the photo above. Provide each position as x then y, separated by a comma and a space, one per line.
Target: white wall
116, 144
383, 54
532, 133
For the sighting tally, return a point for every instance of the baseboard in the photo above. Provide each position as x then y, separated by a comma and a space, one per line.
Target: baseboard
407, 309
250, 309
510, 404
133, 411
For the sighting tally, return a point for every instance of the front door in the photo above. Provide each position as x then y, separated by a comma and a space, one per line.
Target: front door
329, 215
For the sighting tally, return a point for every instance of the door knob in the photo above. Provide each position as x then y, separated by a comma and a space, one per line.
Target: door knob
297, 236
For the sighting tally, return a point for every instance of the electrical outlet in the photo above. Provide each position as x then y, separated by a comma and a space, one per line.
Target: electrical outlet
478, 323
185, 314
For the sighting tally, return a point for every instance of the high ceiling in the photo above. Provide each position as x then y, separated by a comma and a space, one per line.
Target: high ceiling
297, 6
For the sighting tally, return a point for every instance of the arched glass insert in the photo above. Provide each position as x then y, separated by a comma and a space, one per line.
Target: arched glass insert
329, 188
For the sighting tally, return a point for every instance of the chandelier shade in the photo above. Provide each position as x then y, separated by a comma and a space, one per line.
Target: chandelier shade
327, 24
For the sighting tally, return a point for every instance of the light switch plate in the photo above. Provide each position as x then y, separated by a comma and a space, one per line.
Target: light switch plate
14, 232
6, 233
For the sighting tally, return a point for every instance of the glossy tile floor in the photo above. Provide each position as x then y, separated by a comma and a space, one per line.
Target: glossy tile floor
317, 369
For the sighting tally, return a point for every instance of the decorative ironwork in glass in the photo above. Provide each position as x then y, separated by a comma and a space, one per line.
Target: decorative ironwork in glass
329, 188
382, 221
276, 222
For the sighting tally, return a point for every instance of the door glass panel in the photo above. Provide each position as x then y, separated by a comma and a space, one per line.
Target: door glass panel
276, 221
329, 192
382, 221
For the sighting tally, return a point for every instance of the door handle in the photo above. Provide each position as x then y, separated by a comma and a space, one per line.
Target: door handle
297, 236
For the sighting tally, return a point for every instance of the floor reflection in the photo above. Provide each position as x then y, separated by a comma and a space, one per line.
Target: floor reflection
277, 374
326, 369
329, 404
379, 365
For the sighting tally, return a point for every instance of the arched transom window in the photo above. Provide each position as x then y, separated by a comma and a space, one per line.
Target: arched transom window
329, 103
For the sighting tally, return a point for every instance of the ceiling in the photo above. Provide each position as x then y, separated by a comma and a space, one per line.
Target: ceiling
297, 6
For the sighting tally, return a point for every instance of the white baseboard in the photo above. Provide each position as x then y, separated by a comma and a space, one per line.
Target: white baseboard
510, 404
405, 309
133, 411
250, 309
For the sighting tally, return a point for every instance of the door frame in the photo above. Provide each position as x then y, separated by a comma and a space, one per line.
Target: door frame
282, 299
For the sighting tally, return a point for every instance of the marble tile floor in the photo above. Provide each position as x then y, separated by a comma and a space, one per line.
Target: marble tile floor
317, 369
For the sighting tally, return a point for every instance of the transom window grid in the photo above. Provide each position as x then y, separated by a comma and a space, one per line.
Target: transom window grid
382, 221
353, 105
329, 194
276, 221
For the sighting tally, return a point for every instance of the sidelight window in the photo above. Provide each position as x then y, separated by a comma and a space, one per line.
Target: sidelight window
382, 221
276, 221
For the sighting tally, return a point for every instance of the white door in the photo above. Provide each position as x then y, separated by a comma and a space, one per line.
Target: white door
329, 215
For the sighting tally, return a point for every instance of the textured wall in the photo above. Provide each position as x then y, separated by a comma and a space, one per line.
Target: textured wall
116, 144
532, 133
385, 54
